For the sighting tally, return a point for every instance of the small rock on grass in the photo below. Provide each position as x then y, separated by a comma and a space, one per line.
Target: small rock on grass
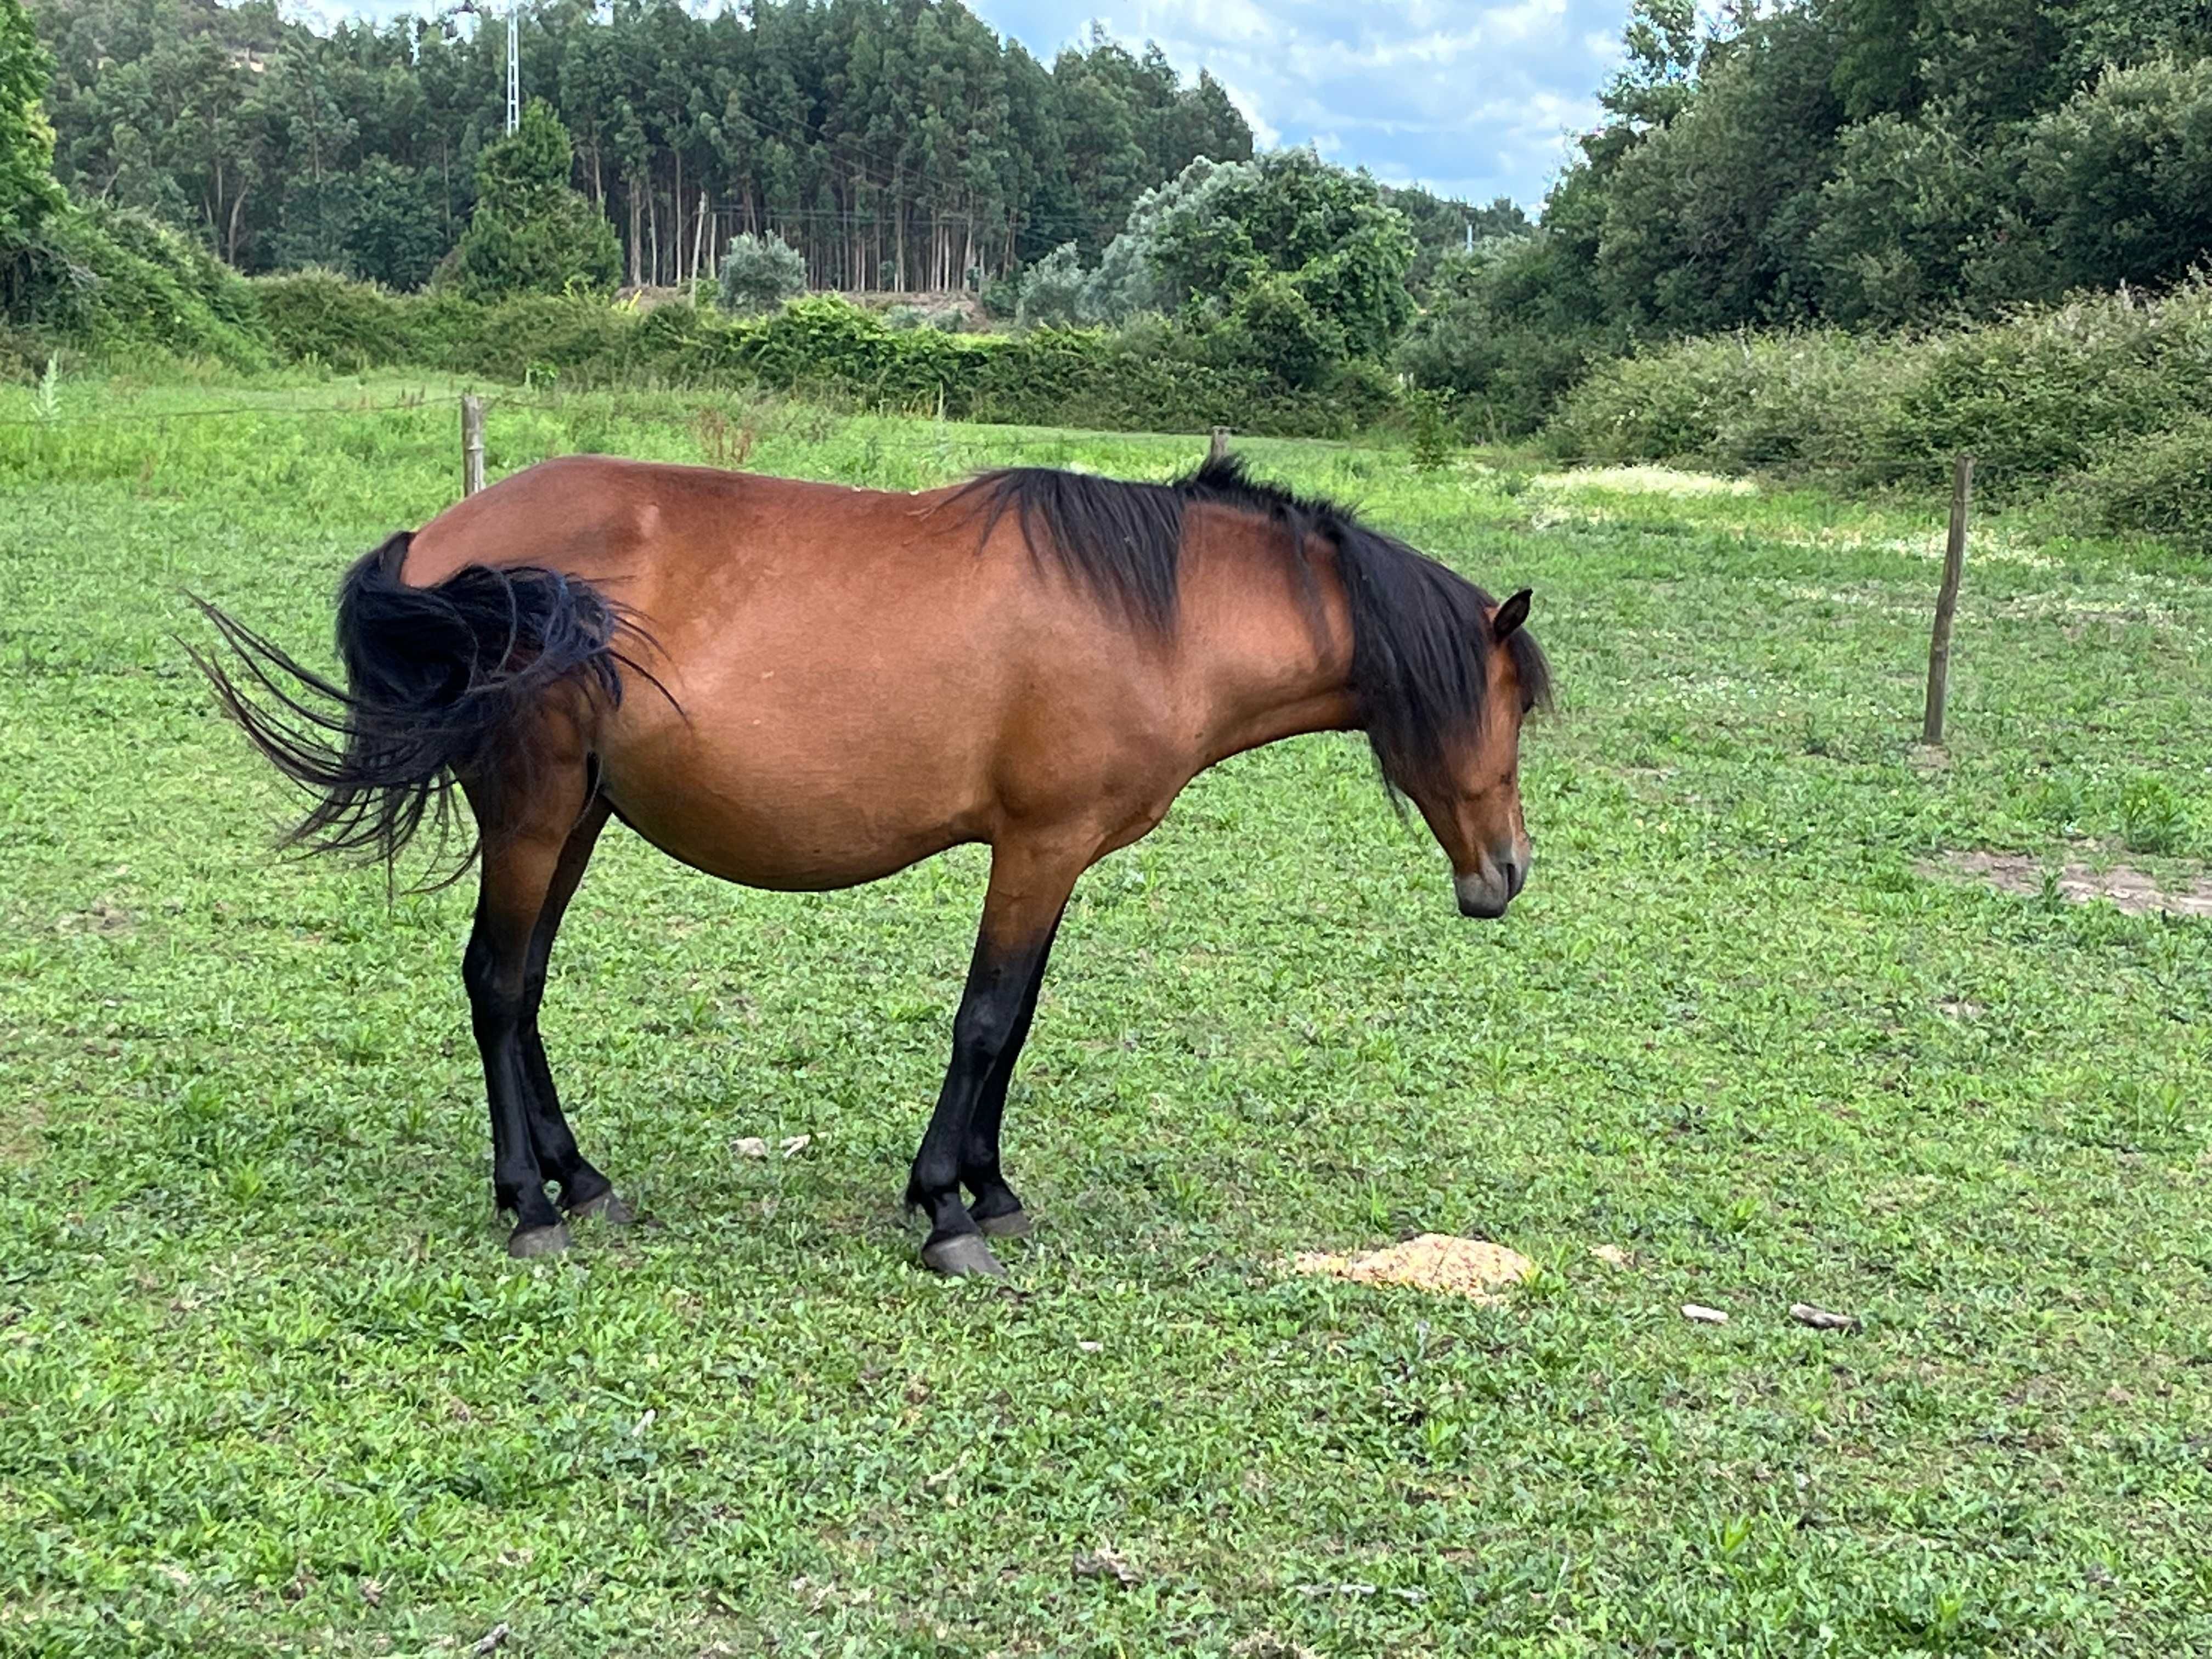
1821, 1319
1703, 1315
1106, 1562
749, 1146
491, 1639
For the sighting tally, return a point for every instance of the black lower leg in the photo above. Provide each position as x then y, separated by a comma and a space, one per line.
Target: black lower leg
563, 1163
998, 981
494, 976
996, 1207
582, 1187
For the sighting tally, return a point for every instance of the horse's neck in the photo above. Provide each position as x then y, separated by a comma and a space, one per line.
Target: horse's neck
1275, 660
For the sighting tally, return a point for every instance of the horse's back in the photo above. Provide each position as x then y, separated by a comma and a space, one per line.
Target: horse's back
855, 680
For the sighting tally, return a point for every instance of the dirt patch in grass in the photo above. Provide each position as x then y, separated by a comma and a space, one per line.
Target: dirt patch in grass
2132, 890
1471, 1267
19, 1123
1645, 481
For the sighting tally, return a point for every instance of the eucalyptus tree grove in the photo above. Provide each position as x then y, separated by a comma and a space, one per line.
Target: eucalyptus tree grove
895, 143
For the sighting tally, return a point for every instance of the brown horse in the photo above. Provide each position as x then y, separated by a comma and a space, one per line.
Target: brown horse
806, 687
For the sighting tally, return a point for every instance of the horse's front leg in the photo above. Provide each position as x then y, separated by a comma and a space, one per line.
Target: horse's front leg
1028, 889
998, 1212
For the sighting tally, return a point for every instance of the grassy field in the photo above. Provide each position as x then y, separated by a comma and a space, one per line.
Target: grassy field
268, 1383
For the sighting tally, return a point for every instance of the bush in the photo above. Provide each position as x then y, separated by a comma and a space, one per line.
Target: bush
1153, 375
1497, 337
2042, 399
1276, 328
29, 194
532, 233
759, 273
2160, 485
1052, 290
1002, 298
114, 283
1808, 400
2039, 396
349, 324
1429, 428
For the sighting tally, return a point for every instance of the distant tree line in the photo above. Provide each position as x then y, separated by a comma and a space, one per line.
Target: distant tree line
1862, 163
894, 143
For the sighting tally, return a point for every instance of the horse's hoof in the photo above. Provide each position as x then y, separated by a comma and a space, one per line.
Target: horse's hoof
528, 1241
963, 1255
1015, 1223
606, 1207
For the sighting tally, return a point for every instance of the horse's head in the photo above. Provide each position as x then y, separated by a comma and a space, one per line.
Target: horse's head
1474, 805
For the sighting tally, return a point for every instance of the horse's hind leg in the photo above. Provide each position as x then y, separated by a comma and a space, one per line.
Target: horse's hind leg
583, 1191
523, 844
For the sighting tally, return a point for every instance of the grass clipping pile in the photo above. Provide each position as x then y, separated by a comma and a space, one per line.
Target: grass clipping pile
1436, 1262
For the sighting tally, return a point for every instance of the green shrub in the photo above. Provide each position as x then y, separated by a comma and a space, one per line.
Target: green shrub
1052, 290
1275, 327
1496, 336
1002, 298
1152, 375
351, 326
1804, 401
2037, 397
2160, 485
760, 273
530, 232
113, 283
2103, 394
29, 194
1428, 425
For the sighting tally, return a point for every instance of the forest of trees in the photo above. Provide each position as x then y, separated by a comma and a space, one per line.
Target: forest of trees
1873, 165
897, 144
1862, 163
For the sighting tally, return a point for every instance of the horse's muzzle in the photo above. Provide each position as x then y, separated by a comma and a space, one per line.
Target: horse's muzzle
1484, 893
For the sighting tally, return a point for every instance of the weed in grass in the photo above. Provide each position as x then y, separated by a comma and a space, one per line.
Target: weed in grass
2151, 818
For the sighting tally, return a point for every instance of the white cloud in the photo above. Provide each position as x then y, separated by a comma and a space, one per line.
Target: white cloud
1473, 97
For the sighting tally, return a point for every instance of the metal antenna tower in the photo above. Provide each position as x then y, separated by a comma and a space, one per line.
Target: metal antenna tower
514, 64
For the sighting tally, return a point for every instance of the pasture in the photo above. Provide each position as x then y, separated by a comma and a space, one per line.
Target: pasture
268, 1382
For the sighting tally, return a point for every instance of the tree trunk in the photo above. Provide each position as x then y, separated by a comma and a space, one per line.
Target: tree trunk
636, 212
237, 205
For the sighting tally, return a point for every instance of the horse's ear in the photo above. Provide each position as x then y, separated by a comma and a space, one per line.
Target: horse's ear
1510, 614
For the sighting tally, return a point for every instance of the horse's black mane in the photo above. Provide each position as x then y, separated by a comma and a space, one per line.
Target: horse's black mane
1420, 642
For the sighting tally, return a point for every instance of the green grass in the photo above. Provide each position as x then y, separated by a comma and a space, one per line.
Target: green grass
267, 1383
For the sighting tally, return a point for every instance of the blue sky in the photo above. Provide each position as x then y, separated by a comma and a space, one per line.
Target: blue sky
1473, 98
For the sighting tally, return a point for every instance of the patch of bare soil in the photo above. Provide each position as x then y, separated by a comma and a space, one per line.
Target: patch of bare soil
1472, 1267
19, 1123
104, 917
2132, 890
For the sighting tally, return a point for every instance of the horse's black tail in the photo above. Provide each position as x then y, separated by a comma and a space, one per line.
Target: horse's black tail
439, 681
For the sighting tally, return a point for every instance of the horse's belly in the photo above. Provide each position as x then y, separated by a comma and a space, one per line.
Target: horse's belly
763, 817
757, 852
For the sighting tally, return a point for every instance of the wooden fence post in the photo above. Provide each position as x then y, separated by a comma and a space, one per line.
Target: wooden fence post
1947, 601
471, 443
1219, 451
